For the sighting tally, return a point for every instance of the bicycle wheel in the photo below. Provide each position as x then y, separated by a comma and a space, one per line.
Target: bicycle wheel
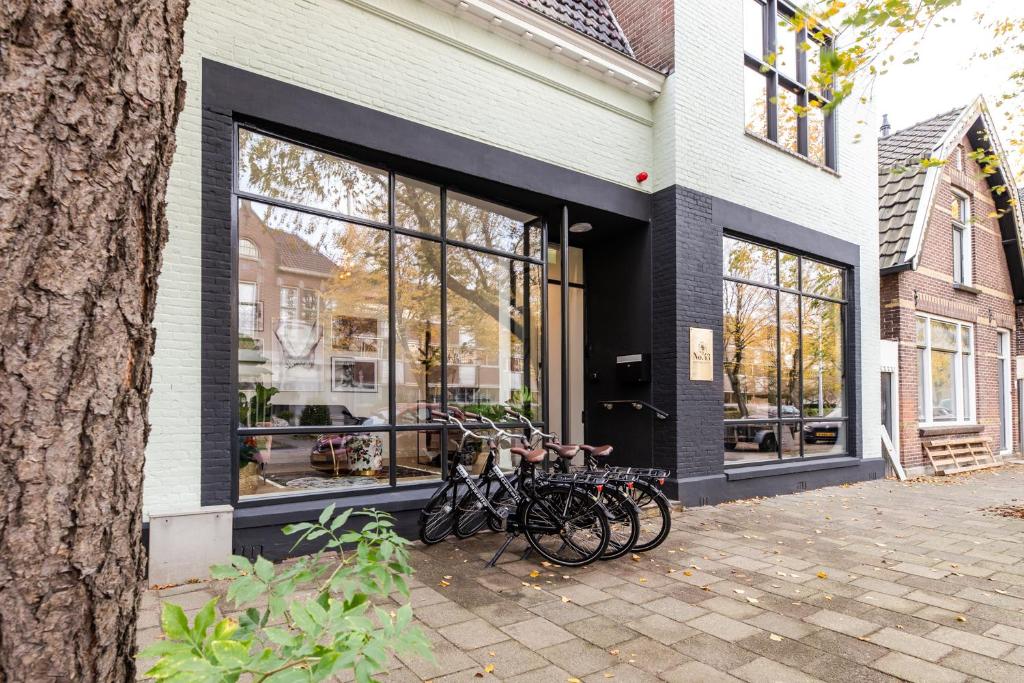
438, 515
471, 515
623, 522
567, 526
655, 515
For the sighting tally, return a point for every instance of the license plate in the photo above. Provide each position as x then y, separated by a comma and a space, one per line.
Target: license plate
823, 434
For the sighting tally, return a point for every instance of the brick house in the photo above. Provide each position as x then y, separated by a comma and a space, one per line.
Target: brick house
951, 285
381, 206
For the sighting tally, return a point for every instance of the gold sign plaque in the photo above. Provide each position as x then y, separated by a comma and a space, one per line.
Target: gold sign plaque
702, 355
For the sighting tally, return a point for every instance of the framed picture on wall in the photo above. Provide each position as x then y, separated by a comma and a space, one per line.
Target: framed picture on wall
354, 375
354, 334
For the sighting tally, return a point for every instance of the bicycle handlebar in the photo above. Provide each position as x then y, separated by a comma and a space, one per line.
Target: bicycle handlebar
533, 430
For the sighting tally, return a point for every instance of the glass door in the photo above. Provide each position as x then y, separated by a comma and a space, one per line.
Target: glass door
574, 393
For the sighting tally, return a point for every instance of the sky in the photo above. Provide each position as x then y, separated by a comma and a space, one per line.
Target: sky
947, 76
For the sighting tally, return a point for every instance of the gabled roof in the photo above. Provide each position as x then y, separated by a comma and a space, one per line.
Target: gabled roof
592, 18
906, 187
296, 253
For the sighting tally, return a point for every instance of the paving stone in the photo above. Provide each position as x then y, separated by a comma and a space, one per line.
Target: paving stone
970, 641
733, 609
723, 627
783, 650
632, 593
889, 602
561, 613
985, 668
782, 625
1016, 657
472, 634
582, 594
843, 623
578, 658
941, 601
419, 597
692, 672
916, 670
448, 659
829, 667
443, 614
1009, 634
622, 673
601, 631
548, 674
649, 655
852, 648
598, 579
537, 633
910, 644
509, 658
619, 609
674, 609
762, 669
919, 570
503, 613
662, 629
882, 586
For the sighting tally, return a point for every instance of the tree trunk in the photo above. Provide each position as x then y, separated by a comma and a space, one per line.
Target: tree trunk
90, 91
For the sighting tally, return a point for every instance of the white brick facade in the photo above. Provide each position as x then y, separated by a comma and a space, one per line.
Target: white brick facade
416, 61
403, 57
715, 156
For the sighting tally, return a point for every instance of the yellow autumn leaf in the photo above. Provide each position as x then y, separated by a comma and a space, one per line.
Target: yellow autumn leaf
534, 574
687, 572
822, 575
573, 679
489, 668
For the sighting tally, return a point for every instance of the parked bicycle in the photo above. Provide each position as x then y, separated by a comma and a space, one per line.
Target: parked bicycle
560, 515
642, 485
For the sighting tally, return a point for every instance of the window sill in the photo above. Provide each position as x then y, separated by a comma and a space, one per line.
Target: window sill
949, 429
961, 287
776, 469
789, 152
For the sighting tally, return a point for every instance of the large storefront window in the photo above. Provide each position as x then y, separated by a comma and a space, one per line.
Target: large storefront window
367, 299
783, 332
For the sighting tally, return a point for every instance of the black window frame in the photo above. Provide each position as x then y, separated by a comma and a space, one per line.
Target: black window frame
778, 422
393, 427
801, 87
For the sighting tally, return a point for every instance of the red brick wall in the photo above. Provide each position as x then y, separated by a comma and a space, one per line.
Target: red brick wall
648, 26
930, 289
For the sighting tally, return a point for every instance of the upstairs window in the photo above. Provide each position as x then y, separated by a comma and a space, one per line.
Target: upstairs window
960, 211
782, 78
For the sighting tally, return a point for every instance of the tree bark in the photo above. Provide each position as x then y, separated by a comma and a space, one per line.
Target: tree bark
90, 91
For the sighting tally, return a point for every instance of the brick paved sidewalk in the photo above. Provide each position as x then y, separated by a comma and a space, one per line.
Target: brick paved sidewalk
871, 582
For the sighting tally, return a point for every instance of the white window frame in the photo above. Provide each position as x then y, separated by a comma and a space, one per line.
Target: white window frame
1005, 342
964, 226
966, 409
251, 252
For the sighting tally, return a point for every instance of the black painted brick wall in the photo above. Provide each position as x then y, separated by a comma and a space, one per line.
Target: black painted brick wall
687, 292
218, 370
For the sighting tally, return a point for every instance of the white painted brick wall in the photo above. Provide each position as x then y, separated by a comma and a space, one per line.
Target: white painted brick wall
713, 155
403, 57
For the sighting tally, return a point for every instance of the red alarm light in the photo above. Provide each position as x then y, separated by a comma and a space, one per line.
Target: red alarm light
641, 176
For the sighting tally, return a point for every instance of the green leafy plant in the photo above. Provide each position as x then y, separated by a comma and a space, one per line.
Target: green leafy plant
522, 400
314, 415
306, 621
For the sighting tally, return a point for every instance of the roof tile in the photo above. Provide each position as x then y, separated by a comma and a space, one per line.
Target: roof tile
592, 18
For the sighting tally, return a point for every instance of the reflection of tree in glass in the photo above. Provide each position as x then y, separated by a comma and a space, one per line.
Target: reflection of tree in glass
822, 354
749, 317
282, 170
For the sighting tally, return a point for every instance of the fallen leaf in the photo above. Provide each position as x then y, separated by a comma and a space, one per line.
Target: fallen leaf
609, 674
447, 577
489, 668
565, 599
687, 572
738, 590
573, 679
635, 557
961, 617
777, 639
613, 652
534, 574
752, 601
822, 575
444, 584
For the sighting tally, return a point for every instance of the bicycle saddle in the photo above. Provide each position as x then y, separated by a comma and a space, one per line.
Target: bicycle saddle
531, 456
563, 450
597, 451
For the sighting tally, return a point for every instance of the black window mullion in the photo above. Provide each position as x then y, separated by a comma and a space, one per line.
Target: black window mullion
800, 350
803, 145
771, 46
444, 328
778, 351
392, 384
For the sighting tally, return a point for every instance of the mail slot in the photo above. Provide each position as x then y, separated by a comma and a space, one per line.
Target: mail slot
633, 368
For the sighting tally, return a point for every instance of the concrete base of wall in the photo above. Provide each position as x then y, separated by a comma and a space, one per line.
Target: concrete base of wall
773, 480
183, 545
